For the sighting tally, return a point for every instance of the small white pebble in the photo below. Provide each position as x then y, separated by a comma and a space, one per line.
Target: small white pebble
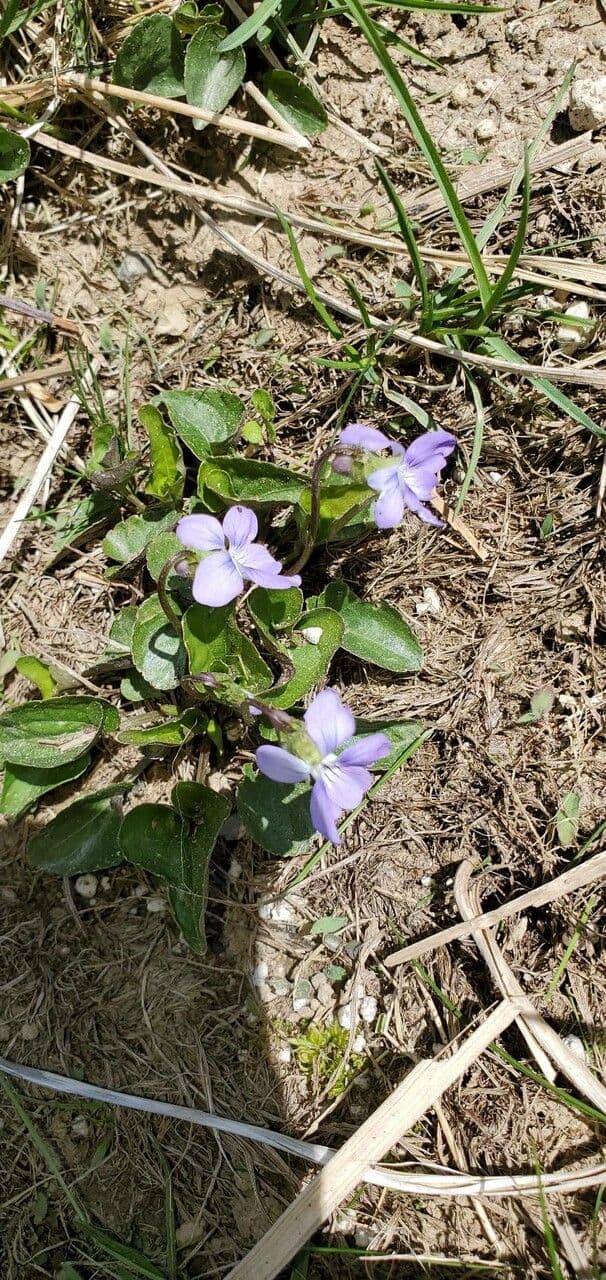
359, 1044
285, 1054
363, 1237
155, 905
587, 103
29, 1030
495, 476
430, 603
486, 129
571, 337
86, 886
235, 869
344, 1017
275, 912
426, 881
576, 1046
368, 1008
140, 890
459, 94
260, 973
300, 1003
313, 635
105, 883
80, 1127
485, 86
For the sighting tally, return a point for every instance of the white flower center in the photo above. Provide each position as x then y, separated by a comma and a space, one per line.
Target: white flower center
325, 768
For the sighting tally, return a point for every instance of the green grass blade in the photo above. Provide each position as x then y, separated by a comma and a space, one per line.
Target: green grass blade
478, 440
517, 247
43, 1149
494, 346
250, 26
572, 945
409, 238
426, 144
333, 328
548, 1231
132, 1259
356, 297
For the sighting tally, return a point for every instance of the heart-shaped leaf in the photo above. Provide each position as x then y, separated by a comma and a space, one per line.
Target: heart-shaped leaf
158, 653
375, 632
238, 479
167, 469
309, 657
83, 837
204, 420
129, 539
14, 155
276, 817
215, 644
405, 737
47, 735
162, 548
163, 733
22, 787
151, 58
176, 844
275, 611
295, 102
211, 76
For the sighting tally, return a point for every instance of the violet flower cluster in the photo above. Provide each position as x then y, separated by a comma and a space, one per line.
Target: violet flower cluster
409, 480
340, 778
230, 557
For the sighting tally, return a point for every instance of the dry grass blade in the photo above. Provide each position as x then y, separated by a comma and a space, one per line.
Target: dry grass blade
575, 878
282, 137
405, 1106
455, 522
35, 375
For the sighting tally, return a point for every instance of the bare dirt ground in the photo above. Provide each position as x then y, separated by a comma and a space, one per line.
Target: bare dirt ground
107, 991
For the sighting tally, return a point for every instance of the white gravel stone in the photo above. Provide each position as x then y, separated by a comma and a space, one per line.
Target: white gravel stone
570, 338
29, 1030
576, 1046
359, 1044
155, 906
587, 104
285, 1054
430, 603
235, 869
80, 1127
276, 912
486, 129
459, 94
344, 1017
260, 973
426, 881
368, 1008
86, 886
313, 635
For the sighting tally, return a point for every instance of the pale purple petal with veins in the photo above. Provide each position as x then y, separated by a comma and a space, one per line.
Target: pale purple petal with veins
367, 751
384, 476
324, 813
281, 765
201, 533
357, 435
217, 581
328, 722
258, 565
240, 527
431, 445
346, 785
389, 507
411, 500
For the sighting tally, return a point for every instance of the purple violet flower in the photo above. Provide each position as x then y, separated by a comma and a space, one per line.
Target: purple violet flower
231, 557
408, 481
340, 781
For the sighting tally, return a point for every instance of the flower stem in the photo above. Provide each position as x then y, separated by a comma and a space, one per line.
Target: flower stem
163, 594
314, 517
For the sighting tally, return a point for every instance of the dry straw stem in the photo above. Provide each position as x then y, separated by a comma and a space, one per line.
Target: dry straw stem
575, 878
282, 137
45, 464
544, 1043
385, 1127
455, 522
35, 375
553, 373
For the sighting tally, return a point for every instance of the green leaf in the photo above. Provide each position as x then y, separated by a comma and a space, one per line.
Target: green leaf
167, 468
164, 733
276, 817
176, 844
135, 689
82, 519
151, 58
339, 503
540, 705
49, 734
14, 155
295, 102
273, 611
246, 480
158, 653
203, 420
39, 674
310, 661
215, 644
328, 924
121, 630
404, 735
162, 548
250, 26
567, 819
134, 1262
129, 539
212, 75
23, 787
375, 632
83, 837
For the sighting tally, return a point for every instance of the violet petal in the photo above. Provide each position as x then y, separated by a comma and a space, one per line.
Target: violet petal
328, 723
370, 438
346, 785
389, 507
419, 508
324, 813
431, 445
281, 765
382, 478
240, 526
201, 533
367, 751
217, 580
